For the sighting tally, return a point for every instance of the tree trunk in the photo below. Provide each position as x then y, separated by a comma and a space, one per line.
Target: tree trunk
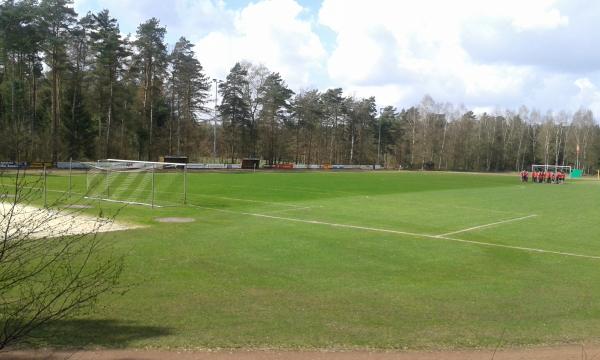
172, 113
122, 139
352, 146
333, 128
518, 166
109, 115
150, 136
34, 111
55, 110
443, 144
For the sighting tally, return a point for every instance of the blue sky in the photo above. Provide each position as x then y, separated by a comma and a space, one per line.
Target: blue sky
488, 55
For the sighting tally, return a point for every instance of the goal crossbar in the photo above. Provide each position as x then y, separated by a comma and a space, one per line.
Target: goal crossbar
145, 162
554, 168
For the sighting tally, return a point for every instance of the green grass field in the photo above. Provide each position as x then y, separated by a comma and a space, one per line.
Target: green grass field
354, 260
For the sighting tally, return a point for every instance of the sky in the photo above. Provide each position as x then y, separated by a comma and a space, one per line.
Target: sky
485, 54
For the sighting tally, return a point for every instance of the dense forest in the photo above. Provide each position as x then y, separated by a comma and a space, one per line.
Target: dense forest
74, 87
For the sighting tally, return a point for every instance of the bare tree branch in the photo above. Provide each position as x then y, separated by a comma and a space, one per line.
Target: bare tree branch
50, 268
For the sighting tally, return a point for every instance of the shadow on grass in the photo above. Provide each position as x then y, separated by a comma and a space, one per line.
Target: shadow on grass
88, 333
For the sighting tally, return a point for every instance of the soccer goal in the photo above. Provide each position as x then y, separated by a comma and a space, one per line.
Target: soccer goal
551, 168
148, 183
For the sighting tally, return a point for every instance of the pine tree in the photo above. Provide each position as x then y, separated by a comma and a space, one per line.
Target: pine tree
275, 100
189, 91
57, 19
20, 69
151, 61
308, 110
77, 129
334, 106
234, 108
109, 53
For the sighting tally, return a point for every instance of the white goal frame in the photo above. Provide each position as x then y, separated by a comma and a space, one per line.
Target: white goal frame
126, 165
551, 168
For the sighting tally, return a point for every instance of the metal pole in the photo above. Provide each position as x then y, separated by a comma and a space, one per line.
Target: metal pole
184, 184
153, 185
107, 183
215, 120
45, 188
379, 137
215, 138
70, 173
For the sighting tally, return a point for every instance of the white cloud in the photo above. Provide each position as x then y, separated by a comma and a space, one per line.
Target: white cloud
383, 43
588, 94
270, 32
539, 16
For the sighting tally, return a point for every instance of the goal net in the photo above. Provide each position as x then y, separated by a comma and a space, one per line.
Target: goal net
551, 168
137, 182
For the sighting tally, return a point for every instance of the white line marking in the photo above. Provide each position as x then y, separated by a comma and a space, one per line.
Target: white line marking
287, 210
487, 225
316, 222
121, 201
428, 236
519, 248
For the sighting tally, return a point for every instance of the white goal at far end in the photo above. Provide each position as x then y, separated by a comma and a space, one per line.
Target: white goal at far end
551, 168
137, 182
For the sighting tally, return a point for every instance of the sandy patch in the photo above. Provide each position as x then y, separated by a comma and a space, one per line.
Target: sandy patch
40, 223
174, 220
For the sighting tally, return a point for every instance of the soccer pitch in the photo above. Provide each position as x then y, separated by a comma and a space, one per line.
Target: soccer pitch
351, 260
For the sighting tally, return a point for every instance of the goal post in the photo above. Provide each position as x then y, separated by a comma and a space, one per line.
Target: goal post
148, 183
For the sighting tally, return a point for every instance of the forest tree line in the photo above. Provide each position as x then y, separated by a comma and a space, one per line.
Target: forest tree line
73, 87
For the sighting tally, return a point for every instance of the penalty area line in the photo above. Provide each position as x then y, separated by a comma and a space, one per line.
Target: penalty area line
288, 210
316, 222
522, 248
488, 225
405, 233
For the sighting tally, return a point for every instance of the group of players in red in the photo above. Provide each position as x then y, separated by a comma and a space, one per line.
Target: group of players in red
541, 177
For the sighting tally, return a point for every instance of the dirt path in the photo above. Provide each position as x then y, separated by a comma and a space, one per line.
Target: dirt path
567, 352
